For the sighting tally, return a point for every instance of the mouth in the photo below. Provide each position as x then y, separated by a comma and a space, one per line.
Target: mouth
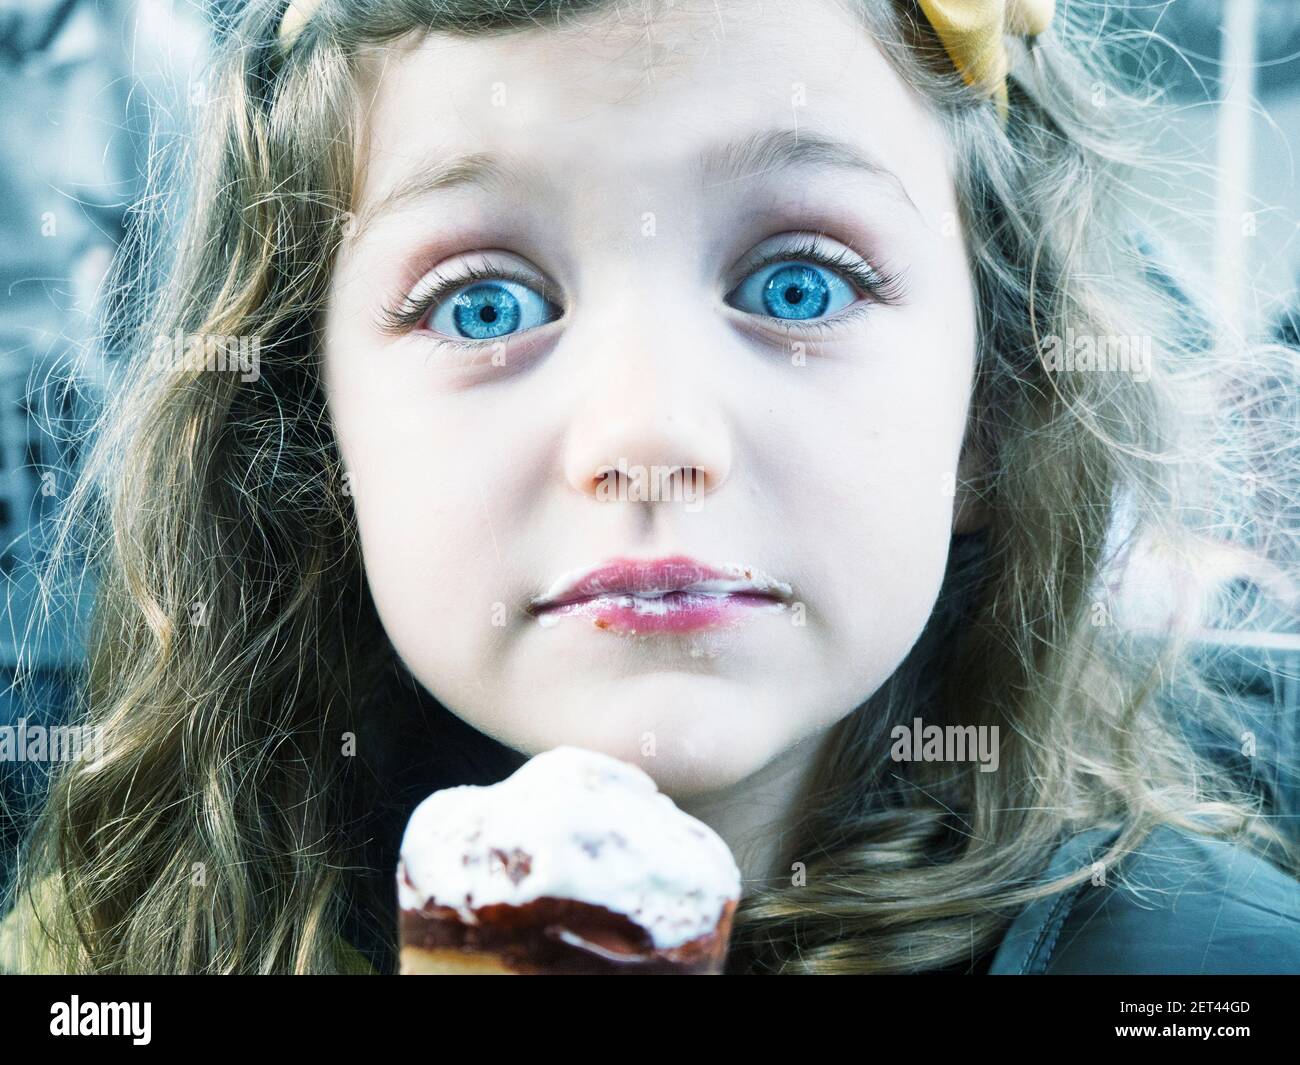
666, 595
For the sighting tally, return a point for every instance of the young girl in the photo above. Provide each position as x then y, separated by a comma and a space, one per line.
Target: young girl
687, 382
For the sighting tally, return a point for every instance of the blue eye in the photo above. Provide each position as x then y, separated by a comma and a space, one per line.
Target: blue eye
488, 310
793, 291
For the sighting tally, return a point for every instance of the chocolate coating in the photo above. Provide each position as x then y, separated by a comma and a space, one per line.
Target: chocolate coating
551, 936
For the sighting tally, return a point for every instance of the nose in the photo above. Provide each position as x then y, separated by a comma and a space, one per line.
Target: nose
650, 423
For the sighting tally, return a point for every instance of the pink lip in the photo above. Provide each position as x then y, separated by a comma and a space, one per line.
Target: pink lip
667, 595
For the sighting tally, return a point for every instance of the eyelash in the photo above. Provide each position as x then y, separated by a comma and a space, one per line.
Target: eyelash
882, 287
413, 309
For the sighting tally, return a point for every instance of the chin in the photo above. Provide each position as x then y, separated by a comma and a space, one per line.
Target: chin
692, 735
684, 778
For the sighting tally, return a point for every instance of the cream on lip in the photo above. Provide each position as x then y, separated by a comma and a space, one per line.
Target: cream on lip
672, 595
730, 578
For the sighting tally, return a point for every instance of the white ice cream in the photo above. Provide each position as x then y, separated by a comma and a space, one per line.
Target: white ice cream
572, 824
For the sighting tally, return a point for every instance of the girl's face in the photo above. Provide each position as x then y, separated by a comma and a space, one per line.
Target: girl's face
649, 355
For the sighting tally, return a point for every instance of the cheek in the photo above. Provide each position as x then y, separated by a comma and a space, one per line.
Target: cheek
870, 496
437, 501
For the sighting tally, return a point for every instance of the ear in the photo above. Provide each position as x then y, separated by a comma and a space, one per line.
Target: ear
970, 514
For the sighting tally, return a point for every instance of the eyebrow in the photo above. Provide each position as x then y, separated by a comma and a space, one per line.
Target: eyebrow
774, 150
758, 154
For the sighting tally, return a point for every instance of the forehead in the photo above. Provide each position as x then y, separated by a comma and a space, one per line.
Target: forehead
616, 98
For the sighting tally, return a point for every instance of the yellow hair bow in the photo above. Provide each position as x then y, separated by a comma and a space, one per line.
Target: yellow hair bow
973, 32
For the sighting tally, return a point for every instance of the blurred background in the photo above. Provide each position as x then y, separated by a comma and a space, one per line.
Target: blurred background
91, 89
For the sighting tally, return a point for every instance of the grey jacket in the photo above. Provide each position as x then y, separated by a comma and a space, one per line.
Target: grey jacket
1181, 904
